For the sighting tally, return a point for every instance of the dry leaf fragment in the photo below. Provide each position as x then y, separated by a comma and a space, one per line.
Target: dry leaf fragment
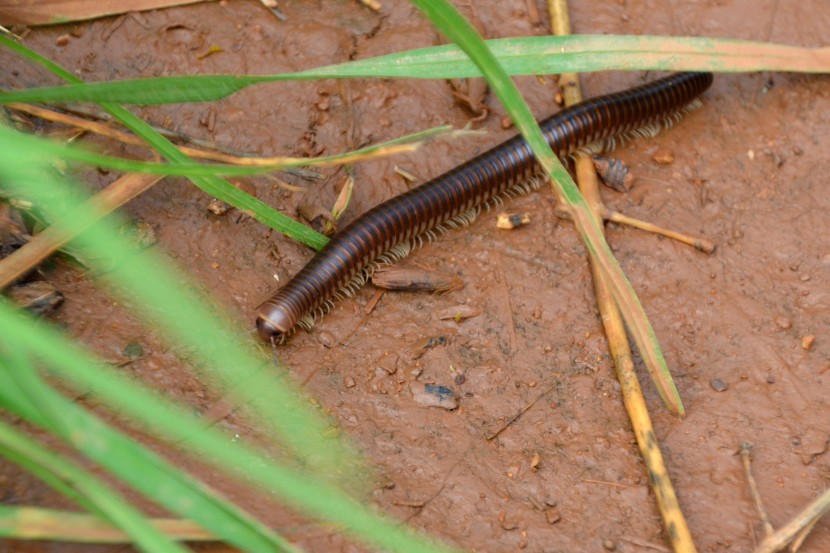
408, 279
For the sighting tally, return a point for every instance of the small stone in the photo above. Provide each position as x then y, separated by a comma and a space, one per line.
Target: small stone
784, 323
430, 395
718, 385
509, 525
552, 515
62, 40
326, 339
551, 501
535, 460
663, 156
133, 350
770, 379
460, 379
807, 342
609, 545
349, 382
218, 207
389, 363
139, 232
39, 297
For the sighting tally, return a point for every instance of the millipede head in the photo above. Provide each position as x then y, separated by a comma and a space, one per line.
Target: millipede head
272, 323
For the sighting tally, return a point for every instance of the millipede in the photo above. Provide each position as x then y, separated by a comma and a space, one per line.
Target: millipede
388, 231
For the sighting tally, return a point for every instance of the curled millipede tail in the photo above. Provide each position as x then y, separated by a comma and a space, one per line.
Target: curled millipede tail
388, 231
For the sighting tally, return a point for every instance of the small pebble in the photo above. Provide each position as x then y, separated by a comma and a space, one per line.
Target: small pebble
62, 40
39, 297
718, 385
218, 207
663, 156
430, 395
460, 379
389, 363
326, 339
807, 342
349, 382
770, 379
552, 515
783, 323
133, 349
509, 525
609, 545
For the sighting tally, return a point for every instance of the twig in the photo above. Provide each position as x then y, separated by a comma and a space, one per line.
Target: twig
104, 129
511, 323
645, 544
34, 523
605, 483
746, 447
673, 519
522, 411
701, 244
794, 532
47, 242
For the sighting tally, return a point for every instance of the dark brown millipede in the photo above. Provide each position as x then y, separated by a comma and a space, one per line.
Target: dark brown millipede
405, 218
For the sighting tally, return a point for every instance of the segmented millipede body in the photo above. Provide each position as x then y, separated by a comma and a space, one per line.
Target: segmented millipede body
406, 218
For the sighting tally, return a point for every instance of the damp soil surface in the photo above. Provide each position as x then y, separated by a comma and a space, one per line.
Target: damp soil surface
736, 326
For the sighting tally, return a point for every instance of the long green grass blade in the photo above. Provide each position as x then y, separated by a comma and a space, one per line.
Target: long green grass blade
180, 316
142, 469
171, 305
453, 24
31, 455
306, 491
518, 56
14, 398
215, 186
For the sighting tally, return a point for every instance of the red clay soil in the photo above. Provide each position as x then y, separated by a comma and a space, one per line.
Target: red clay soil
746, 173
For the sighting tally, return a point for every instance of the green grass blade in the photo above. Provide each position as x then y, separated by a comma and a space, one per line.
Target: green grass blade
181, 313
222, 354
214, 186
31, 455
14, 398
518, 56
77, 369
142, 469
451, 23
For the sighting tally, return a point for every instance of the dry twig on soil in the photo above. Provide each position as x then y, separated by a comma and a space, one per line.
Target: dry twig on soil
794, 532
673, 519
50, 240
